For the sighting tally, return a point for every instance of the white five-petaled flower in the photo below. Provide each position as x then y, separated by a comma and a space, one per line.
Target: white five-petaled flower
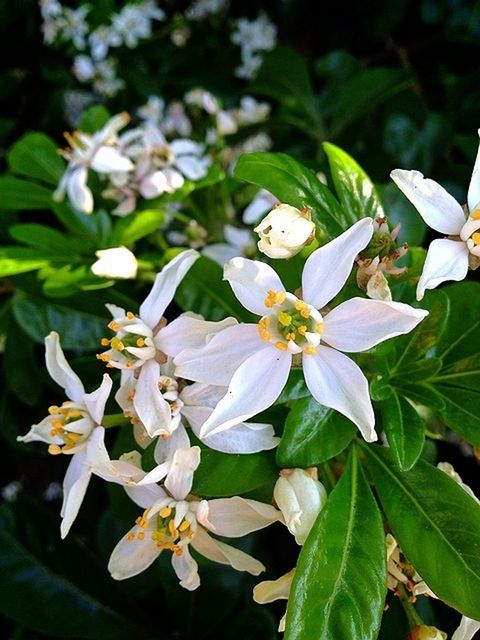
447, 258
95, 152
255, 359
174, 519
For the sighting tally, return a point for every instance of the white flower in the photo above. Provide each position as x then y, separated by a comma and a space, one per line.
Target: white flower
106, 81
239, 242
176, 120
97, 152
255, 359
173, 520
74, 25
253, 36
118, 262
134, 22
262, 203
204, 99
101, 40
285, 231
201, 9
448, 258
272, 590
83, 68
300, 497
226, 123
153, 110
251, 111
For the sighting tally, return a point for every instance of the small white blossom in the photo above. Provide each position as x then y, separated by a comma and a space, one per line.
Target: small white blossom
285, 231
238, 242
118, 262
259, 206
201, 9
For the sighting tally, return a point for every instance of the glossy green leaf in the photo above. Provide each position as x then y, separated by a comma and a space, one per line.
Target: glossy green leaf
313, 434
93, 118
437, 525
295, 387
19, 195
36, 155
136, 226
50, 240
461, 337
463, 373
340, 583
400, 211
462, 411
294, 184
356, 192
14, 260
21, 366
420, 370
424, 394
405, 430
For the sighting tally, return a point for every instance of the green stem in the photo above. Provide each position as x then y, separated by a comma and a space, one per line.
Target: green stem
114, 420
414, 620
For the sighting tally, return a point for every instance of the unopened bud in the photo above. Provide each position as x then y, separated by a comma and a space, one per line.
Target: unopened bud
300, 497
285, 231
422, 632
115, 263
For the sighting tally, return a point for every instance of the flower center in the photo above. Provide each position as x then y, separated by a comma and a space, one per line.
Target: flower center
131, 345
63, 421
294, 325
175, 527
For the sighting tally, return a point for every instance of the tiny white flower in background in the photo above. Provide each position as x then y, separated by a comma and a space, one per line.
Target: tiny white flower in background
300, 497
95, 152
204, 99
176, 120
106, 81
152, 111
83, 68
10, 491
255, 359
252, 111
238, 242
226, 123
448, 258
173, 520
285, 231
101, 40
253, 36
74, 25
201, 9
272, 590
118, 262
262, 203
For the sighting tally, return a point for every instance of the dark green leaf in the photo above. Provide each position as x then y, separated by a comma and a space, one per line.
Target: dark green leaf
36, 156
462, 373
405, 430
424, 394
21, 195
437, 525
420, 370
295, 387
94, 118
462, 411
340, 582
50, 240
461, 337
21, 367
313, 434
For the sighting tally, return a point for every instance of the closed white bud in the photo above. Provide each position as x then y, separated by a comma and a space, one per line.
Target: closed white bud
422, 632
300, 497
285, 231
115, 263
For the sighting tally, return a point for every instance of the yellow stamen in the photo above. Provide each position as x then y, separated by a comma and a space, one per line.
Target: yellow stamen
300, 304
311, 351
117, 344
73, 437
114, 326
140, 535
475, 215
54, 449
165, 512
281, 345
130, 537
476, 237
53, 409
172, 529
130, 315
305, 313
290, 336
141, 522
140, 342
104, 342
184, 526
274, 297
302, 330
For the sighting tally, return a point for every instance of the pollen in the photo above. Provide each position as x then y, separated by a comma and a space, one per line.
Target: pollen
274, 297
302, 330
130, 315
54, 449
104, 342
140, 535
476, 237
290, 336
184, 526
305, 313
172, 529
165, 512
117, 344
319, 328
475, 215
300, 304
281, 345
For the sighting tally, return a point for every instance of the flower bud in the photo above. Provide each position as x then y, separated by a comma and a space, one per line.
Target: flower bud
115, 263
300, 497
422, 632
285, 231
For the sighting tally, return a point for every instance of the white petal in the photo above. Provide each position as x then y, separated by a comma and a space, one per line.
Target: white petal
131, 557
467, 629
262, 203
118, 262
220, 253
255, 386
359, 324
109, 159
96, 401
250, 281
145, 495
166, 447
188, 333
41, 433
337, 382
473, 197
272, 590
192, 168
75, 486
446, 260
202, 395
235, 517
180, 477
225, 554
79, 194
221, 357
437, 207
183, 146
186, 569
164, 287
60, 370
327, 269
152, 409
239, 238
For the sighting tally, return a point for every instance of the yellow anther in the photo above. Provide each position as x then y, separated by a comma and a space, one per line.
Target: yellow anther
302, 330
73, 437
104, 357
104, 342
117, 344
56, 424
74, 413
134, 420
130, 537
476, 237
165, 512
310, 351
141, 522
320, 328
140, 342
274, 297
300, 304
140, 535
475, 215
281, 345
114, 326
173, 530
184, 526
53, 409
305, 313
290, 336
285, 319
54, 449
130, 315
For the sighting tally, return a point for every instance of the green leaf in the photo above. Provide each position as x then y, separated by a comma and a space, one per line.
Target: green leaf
424, 394
462, 411
419, 370
400, 211
462, 373
20, 365
295, 387
50, 240
14, 260
437, 525
136, 226
313, 434
17, 195
294, 184
461, 337
356, 192
94, 118
93, 229
405, 430
35, 155
204, 291
340, 583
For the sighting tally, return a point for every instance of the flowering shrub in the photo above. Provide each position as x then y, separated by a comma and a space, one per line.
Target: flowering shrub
256, 371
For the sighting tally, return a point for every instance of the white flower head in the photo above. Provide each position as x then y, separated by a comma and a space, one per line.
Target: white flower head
448, 258
300, 497
285, 231
254, 360
118, 262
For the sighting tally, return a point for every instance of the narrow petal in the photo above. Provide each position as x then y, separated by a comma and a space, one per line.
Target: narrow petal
109, 159
152, 409
235, 517
473, 197
446, 260
79, 194
359, 324
60, 370
96, 401
337, 382
133, 555
180, 477
220, 252
164, 287
225, 554
437, 207
145, 495
202, 395
272, 590
255, 386
467, 629
75, 486
327, 269
165, 447
187, 332
250, 281
221, 357
191, 167
186, 569
41, 432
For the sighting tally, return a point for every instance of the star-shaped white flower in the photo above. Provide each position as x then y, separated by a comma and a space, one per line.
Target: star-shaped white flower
255, 359
447, 258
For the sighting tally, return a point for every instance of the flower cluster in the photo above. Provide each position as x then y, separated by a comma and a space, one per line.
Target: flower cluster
253, 37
